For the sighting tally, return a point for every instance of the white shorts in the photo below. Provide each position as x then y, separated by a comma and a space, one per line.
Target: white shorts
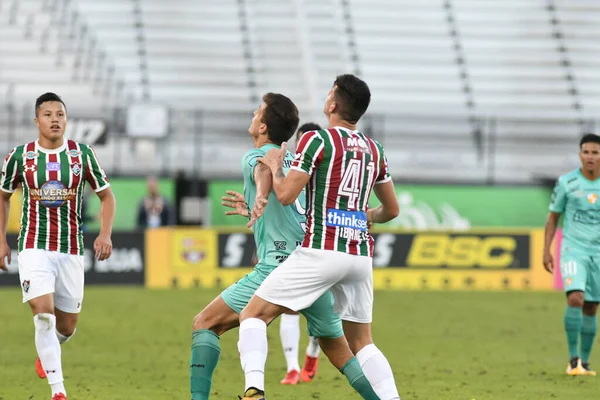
308, 273
42, 272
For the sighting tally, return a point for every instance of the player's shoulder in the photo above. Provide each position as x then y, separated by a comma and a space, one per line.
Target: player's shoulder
18, 152
251, 155
569, 178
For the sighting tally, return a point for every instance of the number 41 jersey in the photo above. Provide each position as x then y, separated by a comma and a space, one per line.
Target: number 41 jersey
53, 182
344, 166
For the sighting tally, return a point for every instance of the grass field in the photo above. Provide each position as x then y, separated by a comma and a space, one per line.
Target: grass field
134, 344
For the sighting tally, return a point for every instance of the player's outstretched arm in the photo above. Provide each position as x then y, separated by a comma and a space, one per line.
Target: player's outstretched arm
264, 183
549, 231
388, 209
287, 187
108, 205
4, 211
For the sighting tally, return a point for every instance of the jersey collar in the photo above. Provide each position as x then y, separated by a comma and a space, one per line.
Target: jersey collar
51, 151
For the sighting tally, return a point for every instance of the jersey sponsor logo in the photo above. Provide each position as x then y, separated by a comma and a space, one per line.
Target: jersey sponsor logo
347, 219
30, 155
587, 217
30, 168
280, 245
356, 144
53, 166
74, 153
76, 168
53, 194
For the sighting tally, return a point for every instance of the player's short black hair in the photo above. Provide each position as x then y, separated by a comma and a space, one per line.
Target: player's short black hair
352, 97
307, 127
45, 98
281, 117
589, 138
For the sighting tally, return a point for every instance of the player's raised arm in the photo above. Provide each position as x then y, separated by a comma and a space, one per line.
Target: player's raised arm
264, 183
288, 187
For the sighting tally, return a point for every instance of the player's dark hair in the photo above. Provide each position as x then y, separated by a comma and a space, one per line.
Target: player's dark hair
352, 97
281, 117
46, 97
589, 138
307, 127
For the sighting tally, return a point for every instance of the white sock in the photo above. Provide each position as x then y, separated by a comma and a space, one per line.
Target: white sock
289, 330
253, 349
48, 349
378, 372
313, 350
62, 339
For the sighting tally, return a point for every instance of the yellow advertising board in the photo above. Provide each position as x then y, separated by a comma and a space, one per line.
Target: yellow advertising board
474, 260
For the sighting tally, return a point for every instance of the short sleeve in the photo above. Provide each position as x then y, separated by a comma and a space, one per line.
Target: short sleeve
9, 180
249, 162
94, 173
559, 197
384, 170
309, 152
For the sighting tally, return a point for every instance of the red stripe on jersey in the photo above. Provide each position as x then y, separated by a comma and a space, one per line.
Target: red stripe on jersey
334, 179
30, 169
74, 236
310, 223
53, 240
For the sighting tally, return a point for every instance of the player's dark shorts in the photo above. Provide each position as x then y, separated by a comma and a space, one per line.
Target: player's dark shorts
322, 320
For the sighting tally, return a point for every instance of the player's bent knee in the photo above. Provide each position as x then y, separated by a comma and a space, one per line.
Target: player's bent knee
212, 323
575, 299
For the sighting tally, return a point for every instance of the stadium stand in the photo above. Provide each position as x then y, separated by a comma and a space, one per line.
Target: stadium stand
462, 89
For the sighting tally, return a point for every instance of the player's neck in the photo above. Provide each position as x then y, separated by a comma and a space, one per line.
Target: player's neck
590, 175
50, 144
335, 120
261, 141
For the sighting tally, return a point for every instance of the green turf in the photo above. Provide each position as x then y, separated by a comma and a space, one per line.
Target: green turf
134, 344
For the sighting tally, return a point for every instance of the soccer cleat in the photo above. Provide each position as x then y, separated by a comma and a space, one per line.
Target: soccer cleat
574, 368
309, 370
39, 369
291, 378
253, 394
59, 396
587, 369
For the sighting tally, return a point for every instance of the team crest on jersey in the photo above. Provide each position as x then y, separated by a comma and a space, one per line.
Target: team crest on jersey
30, 155
26, 285
568, 281
592, 198
30, 168
76, 168
74, 153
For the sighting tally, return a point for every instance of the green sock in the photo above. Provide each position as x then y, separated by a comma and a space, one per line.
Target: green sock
573, 317
589, 326
205, 356
357, 379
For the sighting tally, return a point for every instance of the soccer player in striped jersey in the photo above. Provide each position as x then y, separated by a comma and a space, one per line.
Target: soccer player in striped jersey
289, 328
276, 234
341, 166
53, 172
